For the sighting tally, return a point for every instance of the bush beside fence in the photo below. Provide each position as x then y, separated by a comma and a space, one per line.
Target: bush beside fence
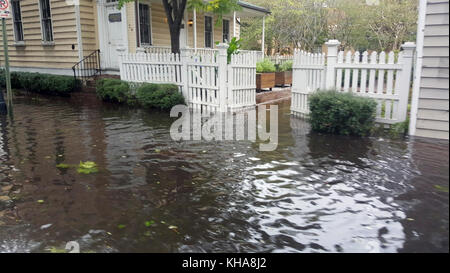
41, 83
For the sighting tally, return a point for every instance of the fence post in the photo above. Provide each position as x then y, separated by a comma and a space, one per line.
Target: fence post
405, 79
121, 53
332, 53
222, 74
184, 58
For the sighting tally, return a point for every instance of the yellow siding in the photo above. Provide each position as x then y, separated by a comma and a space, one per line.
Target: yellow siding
88, 18
160, 27
131, 26
34, 54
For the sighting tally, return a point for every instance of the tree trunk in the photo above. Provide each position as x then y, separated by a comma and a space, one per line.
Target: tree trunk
175, 13
175, 39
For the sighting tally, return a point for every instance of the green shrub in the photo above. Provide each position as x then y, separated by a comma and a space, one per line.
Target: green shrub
41, 83
265, 66
286, 66
341, 113
113, 90
162, 96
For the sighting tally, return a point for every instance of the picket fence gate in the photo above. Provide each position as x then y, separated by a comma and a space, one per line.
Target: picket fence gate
378, 75
204, 77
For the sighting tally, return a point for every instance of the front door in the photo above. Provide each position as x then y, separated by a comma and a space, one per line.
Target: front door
115, 38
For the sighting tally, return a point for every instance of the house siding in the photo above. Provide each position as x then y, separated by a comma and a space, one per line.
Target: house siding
433, 104
36, 55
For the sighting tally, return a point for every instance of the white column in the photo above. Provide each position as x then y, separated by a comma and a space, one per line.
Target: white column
263, 34
405, 78
332, 53
234, 24
418, 67
222, 71
195, 30
79, 37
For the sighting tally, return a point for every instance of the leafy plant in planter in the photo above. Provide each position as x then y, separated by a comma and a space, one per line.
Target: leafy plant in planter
265, 74
284, 74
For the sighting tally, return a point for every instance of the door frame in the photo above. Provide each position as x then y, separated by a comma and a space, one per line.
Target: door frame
103, 33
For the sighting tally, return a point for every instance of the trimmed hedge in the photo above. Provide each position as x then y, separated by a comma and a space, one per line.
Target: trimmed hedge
149, 95
41, 83
113, 90
162, 96
342, 113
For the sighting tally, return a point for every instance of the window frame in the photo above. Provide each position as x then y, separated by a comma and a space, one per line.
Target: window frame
138, 21
212, 32
227, 40
43, 36
15, 22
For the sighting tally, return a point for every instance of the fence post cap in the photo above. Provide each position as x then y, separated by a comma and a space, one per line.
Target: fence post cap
222, 46
333, 42
121, 50
409, 45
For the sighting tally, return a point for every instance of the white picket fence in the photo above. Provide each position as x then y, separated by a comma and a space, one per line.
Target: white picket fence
378, 76
204, 77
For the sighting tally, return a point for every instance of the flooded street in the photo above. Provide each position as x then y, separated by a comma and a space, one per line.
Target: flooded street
315, 193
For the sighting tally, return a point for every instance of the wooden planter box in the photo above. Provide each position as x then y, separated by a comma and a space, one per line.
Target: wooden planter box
265, 80
283, 78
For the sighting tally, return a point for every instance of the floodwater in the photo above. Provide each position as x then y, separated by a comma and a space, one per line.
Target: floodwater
315, 193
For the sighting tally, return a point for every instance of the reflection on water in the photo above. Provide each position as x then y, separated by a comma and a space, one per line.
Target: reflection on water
315, 193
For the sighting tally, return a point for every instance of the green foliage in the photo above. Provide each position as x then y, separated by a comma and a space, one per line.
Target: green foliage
399, 129
41, 83
286, 66
216, 7
87, 167
265, 66
113, 90
307, 24
162, 96
233, 48
341, 113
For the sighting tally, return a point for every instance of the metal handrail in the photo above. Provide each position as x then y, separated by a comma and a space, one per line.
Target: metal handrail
88, 67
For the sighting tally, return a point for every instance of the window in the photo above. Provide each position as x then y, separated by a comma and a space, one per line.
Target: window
145, 36
208, 31
46, 21
17, 21
226, 31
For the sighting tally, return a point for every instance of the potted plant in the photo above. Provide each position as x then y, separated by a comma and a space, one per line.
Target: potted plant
284, 74
265, 74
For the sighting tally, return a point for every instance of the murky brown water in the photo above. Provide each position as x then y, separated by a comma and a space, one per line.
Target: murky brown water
315, 193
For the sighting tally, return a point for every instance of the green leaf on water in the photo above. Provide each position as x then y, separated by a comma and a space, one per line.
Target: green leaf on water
147, 233
87, 167
441, 188
157, 150
40, 201
121, 226
62, 166
56, 250
149, 223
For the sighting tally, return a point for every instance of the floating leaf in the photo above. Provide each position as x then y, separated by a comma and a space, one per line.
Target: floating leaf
62, 166
40, 201
56, 250
157, 150
121, 226
441, 188
149, 223
147, 233
87, 167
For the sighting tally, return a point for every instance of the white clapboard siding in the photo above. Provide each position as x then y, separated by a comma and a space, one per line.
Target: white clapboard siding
377, 76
